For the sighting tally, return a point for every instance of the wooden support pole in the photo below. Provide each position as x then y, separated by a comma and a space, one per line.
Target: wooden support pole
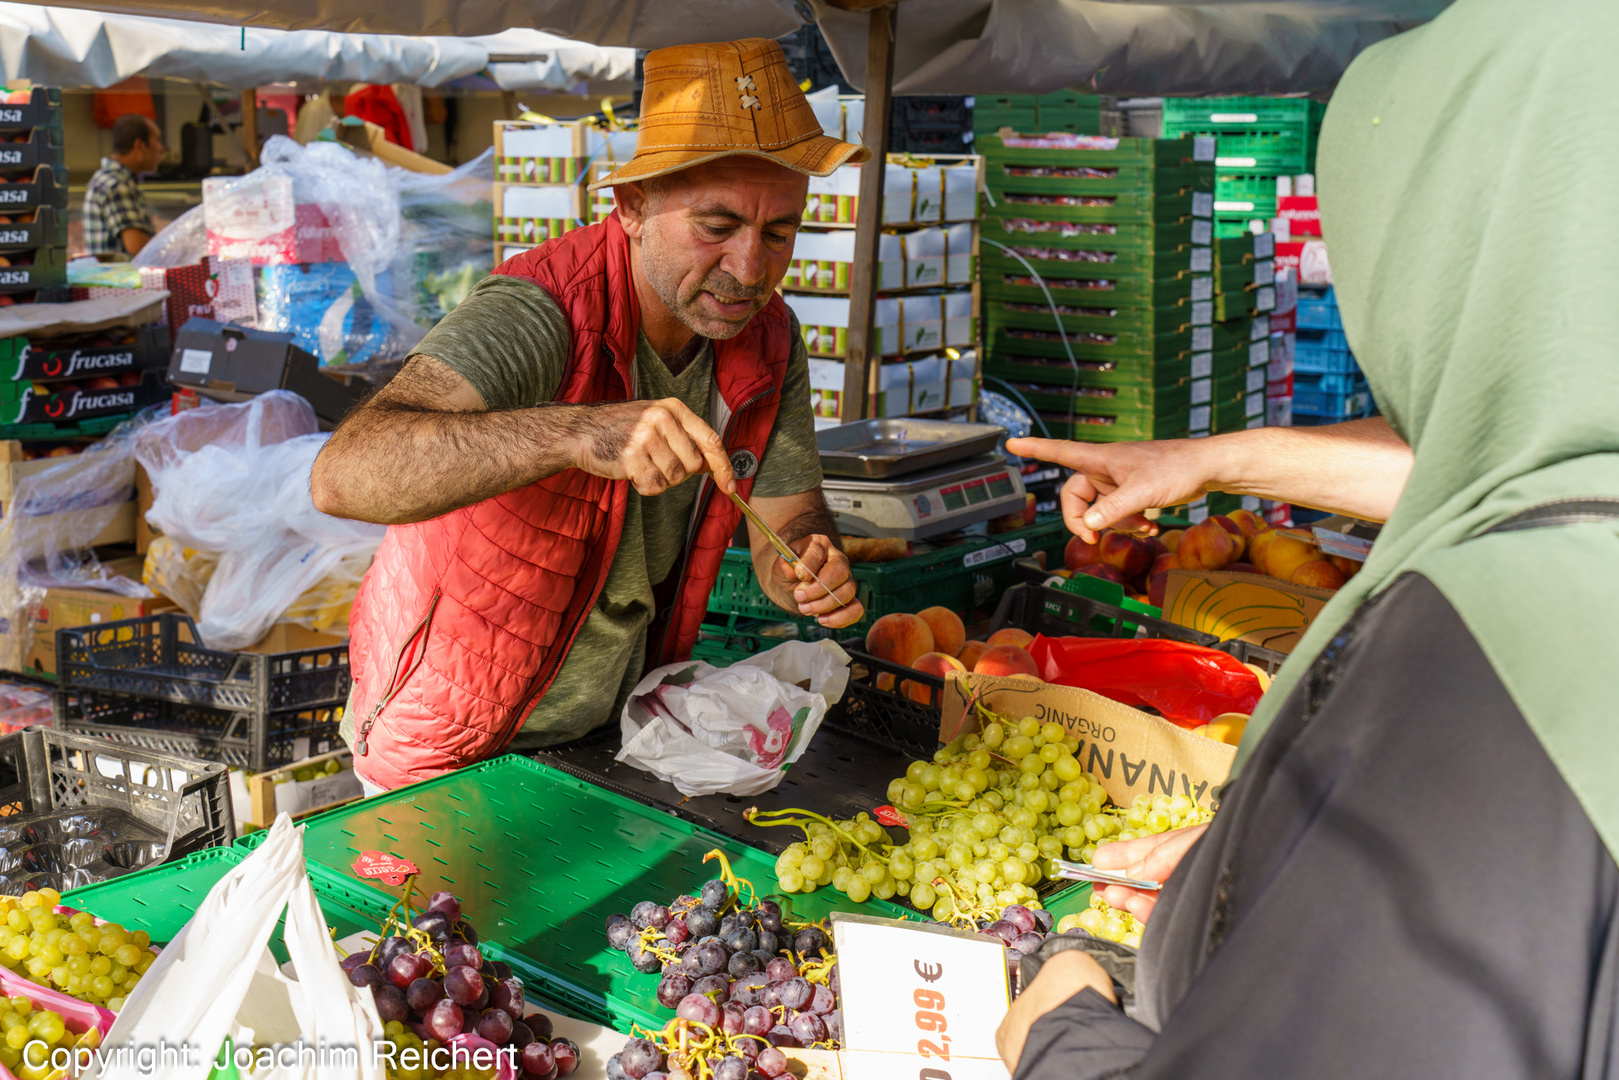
861, 361
250, 126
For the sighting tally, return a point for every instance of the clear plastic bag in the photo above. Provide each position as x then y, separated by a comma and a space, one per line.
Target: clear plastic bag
233, 481
736, 729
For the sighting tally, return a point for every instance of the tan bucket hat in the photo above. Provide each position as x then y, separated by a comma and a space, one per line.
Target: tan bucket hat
703, 102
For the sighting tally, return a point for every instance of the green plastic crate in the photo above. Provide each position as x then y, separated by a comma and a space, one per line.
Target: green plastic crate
85, 429
539, 860
1126, 403
1094, 317
1009, 281
1228, 113
1242, 276
1289, 150
1022, 371
1243, 250
161, 899
1245, 303
1253, 194
1006, 176
1171, 153
1093, 427
1126, 207
1122, 348
960, 577
1008, 225
1140, 270
1232, 226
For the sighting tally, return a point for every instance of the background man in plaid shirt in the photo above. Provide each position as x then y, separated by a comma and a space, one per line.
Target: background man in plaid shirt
117, 220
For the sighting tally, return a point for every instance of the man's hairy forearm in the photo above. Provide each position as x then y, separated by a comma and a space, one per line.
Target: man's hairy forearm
423, 446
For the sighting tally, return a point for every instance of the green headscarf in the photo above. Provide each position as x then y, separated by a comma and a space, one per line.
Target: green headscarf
1469, 179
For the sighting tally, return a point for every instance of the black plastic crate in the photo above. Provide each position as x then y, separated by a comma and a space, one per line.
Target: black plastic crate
41, 146
257, 742
48, 229
46, 186
163, 657
184, 799
42, 109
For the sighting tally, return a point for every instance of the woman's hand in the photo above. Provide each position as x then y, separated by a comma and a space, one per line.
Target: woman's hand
1060, 978
1147, 858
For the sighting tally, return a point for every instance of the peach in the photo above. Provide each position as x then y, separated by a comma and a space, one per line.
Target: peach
1259, 546
1285, 555
1167, 561
1171, 539
899, 638
1080, 554
1249, 522
1006, 660
1235, 530
1318, 574
1105, 572
933, 663
949, 633
970, 653
1207, 546
1011, 635
1348, 567
1126, 554
1157, 587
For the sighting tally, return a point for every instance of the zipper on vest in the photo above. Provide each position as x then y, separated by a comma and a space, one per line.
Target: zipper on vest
527, 705
702, 513
395, 682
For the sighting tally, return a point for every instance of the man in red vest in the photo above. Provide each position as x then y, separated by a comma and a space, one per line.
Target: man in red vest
548, 457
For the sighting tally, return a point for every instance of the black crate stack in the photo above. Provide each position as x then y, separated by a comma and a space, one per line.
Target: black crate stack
33, 197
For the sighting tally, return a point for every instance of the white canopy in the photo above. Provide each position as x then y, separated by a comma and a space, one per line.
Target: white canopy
64, 46
944, 46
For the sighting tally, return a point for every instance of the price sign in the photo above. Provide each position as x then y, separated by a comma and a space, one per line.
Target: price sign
380, 866
919, 1001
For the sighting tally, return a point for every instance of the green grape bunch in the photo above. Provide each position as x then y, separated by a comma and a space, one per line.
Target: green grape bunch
988, 817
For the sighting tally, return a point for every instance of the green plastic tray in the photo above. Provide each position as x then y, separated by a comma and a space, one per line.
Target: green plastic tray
1099, 317
162, 899
1242, 250
86, 429
960, 577
1008, 224
1042, 339
1128, 403
1125, 207
1002, 283
1237, 113
1135, 177
539, 860
1023, 371
1100, 428
1240, 276
1285, 148
1161, 152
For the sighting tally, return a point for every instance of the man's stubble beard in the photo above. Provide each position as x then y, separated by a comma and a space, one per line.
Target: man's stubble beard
664, 275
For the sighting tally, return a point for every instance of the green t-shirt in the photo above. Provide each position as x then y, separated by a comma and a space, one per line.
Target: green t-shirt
511, 341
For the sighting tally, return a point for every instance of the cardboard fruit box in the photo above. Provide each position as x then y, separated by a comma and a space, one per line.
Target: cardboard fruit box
1131, 752
1231, 605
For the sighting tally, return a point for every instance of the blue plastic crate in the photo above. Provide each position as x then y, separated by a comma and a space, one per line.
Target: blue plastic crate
1331, 406
1331, 383
1326, 339
1319, 312
1311, 359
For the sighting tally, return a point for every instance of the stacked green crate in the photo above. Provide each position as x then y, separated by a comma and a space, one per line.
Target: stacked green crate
1113, 235
1259, 140
1064, 110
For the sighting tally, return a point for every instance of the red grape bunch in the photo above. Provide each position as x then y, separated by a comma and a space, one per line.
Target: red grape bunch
431, 982
742, 982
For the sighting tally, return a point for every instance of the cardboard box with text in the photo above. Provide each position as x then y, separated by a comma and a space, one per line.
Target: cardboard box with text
1243, 607
1131, 752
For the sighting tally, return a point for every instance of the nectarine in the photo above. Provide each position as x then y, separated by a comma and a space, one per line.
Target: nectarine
1259, 547
1167, 561
933, 663
1285, 555
1126, 554
1006, 660
899, 638
970, 653
1157, 587
1318, 574
1348, 567
1207, 546
949, 634
1011, 635
1249, 522
1171, 539
1235, 530
1105, 572
1080, 554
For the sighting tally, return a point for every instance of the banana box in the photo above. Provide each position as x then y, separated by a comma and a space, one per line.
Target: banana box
1261, 610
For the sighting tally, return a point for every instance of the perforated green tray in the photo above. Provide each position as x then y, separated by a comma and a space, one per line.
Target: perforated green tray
539, 860
162, 899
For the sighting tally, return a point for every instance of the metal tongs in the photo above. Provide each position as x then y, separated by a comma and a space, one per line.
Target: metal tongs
1075, 871
788, 555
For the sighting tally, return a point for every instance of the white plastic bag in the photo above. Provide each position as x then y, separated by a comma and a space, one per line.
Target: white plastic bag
234, 480
736, 729
217, 979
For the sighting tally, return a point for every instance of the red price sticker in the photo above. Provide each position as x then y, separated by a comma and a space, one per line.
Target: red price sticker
887, 815
380, 866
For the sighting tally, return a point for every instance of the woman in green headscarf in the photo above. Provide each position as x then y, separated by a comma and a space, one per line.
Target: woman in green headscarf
1413, 873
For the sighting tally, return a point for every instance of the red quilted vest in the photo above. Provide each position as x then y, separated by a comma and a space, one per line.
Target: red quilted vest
463, 621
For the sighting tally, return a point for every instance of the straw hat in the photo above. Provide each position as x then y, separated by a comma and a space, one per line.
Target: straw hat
704, 102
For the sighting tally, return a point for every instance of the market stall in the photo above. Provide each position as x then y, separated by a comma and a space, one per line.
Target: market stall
682, 892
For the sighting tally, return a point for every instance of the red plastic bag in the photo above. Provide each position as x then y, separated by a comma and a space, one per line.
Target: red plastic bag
1187, 684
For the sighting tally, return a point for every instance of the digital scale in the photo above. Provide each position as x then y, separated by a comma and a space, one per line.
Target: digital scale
914, 478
